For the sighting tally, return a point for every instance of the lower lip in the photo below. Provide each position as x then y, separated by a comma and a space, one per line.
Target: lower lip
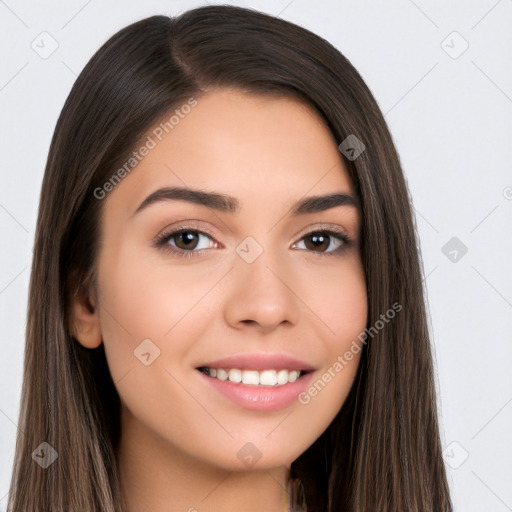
260, 398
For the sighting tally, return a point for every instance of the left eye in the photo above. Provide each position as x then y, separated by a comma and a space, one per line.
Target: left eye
323, 240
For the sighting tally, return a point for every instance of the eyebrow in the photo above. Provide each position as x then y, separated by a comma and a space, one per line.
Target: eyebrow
227, 204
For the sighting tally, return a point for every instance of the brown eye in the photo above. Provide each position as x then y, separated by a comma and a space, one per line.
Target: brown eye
317, 241
186, 239
325, 242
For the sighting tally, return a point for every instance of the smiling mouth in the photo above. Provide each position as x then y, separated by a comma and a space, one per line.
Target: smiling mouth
270, 377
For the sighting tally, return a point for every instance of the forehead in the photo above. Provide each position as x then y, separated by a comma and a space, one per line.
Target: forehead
257, 148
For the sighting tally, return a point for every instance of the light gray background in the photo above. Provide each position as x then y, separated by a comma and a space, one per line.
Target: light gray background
450, 114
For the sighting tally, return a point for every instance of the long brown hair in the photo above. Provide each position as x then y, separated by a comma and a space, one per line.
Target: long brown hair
382, 452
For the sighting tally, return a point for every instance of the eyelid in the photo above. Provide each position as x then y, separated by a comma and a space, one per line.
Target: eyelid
192, 225
325, 227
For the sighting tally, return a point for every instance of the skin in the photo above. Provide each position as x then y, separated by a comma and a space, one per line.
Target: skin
180, 437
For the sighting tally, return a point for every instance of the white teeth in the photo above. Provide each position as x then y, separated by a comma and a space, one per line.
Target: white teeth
253, 377
250, 377
268, 378
221, 374
235, 375
293, 376
282, 377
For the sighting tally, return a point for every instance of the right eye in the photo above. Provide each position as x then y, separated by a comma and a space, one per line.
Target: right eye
185, 241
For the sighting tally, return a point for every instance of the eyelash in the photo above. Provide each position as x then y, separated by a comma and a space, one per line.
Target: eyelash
161, 241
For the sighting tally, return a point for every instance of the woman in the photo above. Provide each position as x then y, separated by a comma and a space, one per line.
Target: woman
284, 362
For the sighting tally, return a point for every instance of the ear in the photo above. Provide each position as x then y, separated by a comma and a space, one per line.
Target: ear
84, 321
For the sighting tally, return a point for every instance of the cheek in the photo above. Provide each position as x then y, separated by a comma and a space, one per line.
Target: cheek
142, 299
338, 297
339, 301
152, 310
149, 299
346, 309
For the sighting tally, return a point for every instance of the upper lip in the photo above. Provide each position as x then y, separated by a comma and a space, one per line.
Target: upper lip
259, 362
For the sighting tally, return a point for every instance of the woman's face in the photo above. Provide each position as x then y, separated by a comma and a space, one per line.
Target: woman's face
250, 281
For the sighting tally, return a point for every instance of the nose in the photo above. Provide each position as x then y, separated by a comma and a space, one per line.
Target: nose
261, 294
